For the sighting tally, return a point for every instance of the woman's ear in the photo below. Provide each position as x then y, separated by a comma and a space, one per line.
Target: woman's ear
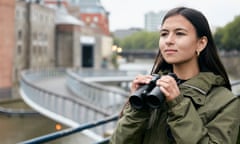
202, 43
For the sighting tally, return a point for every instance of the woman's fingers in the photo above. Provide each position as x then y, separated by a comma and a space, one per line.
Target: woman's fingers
140, 80
169, 87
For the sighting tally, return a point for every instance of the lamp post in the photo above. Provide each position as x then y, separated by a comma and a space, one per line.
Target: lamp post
115, 55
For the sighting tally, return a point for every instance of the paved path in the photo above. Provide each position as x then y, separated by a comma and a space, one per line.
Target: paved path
56, 85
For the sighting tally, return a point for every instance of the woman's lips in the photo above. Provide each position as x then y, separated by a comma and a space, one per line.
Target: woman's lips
170, 51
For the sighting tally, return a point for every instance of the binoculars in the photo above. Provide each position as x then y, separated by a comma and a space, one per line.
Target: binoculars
149, 95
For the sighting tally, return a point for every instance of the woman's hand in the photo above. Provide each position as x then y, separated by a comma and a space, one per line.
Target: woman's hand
140, 80
169, 87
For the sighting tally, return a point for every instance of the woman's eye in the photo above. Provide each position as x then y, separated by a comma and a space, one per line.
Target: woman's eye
180, 33
163, 34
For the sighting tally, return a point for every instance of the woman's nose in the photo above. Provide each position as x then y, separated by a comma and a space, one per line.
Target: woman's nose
169, 39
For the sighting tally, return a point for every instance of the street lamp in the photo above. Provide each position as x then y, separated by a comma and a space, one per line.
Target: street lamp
119, 50
116, 50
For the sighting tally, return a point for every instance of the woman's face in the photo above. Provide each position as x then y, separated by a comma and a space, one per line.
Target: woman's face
178, 41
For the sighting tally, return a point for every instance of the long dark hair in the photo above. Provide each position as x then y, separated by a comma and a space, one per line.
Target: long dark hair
208, 59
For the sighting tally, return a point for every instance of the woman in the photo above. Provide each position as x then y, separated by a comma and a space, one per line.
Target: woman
199, 108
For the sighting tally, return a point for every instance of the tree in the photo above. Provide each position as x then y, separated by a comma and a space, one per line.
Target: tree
228, 37
140, 40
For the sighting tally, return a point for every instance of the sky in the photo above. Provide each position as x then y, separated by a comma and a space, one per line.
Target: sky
126, 14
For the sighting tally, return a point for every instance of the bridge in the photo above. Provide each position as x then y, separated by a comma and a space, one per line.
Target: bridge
86, 100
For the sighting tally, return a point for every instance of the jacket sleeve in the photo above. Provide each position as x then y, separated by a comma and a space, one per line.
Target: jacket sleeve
188, 128
130, 127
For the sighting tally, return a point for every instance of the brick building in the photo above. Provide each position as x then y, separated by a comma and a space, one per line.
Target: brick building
82, 33
91, 12
7, 44
78, 44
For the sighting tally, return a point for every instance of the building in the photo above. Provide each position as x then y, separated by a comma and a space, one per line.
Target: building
56, 2
39, 36
35, 38
7, 44
93, 13
80, 45
153, 20
82, 33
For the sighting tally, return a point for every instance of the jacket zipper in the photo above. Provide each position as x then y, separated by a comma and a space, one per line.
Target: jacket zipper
196, 88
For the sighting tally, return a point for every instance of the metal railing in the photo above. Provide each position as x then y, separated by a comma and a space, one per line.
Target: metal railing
13, 112
103, 101
67, 110
105, 97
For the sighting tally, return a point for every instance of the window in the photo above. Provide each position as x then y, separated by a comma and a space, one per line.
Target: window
19, 49
17, 13
34, 36
95, 19
88, 19
34, 49
19, 35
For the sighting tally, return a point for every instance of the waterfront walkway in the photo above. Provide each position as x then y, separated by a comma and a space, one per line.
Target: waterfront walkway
56, 85
74, 98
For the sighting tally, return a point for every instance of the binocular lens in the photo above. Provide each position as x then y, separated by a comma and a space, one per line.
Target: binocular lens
155, 98
136, 102
153, 102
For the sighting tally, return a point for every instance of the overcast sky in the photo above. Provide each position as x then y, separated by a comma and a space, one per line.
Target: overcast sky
125, 14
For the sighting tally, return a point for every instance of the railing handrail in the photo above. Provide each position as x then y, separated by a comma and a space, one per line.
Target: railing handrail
95, 85
66, 132
15, 112
81, 102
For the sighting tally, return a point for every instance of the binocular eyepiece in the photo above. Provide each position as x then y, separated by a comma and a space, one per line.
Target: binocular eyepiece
149, 95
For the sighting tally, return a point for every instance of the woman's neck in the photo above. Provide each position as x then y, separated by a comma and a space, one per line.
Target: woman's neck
185, 72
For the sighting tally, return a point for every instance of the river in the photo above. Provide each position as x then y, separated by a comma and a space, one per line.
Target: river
18, 128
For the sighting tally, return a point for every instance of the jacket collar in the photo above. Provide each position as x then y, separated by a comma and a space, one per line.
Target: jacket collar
198, 87
204, 82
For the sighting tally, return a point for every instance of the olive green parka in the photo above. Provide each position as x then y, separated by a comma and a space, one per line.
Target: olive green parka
204, 113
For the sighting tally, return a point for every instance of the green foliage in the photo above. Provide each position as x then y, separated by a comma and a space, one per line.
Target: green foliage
114, 60
116, 41
140, 40
228, 37
218, 36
